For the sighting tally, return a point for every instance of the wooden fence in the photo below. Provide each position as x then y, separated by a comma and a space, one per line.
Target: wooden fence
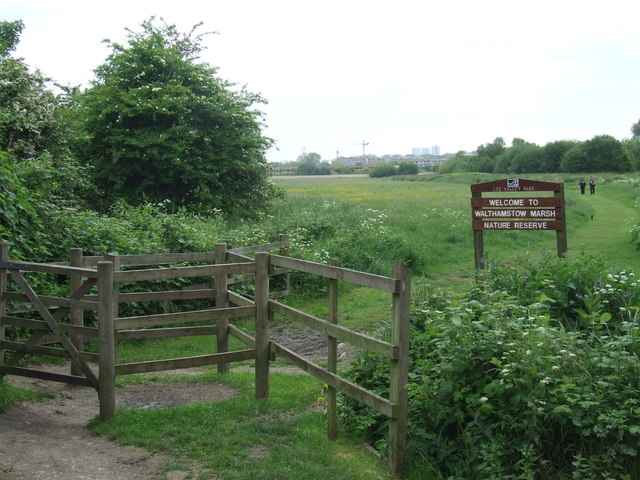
65, 324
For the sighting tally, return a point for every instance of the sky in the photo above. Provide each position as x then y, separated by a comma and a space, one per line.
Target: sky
349, 77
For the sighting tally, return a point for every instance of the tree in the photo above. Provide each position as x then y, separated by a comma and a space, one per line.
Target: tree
29, 122
162, 126
602, 153
523, 157
555, 152
408, 168
10, 36
635, 130
492, 150
383, 170
312, 158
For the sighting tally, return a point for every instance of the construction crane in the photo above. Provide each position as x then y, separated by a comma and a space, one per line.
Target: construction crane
363, 145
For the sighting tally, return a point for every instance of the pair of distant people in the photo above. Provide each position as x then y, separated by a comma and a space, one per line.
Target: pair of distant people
592, 185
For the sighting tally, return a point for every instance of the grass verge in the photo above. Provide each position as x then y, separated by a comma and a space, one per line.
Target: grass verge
281, 438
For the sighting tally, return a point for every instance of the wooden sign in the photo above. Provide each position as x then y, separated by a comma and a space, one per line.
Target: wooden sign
517, 212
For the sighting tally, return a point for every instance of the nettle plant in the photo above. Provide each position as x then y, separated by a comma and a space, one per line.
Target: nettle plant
501, 389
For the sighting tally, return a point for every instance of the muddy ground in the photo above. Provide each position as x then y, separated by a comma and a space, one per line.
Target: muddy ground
50, 440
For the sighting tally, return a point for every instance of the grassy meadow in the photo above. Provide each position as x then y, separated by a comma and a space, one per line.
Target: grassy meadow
433, 214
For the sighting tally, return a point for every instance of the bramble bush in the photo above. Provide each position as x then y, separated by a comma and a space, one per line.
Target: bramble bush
500, 389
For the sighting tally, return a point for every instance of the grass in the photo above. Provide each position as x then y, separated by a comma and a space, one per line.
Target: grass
281, 438
10, 395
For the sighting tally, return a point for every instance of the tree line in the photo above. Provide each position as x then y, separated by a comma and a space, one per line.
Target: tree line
599, 154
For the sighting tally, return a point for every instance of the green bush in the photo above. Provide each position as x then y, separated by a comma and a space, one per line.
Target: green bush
408, 168
500, 390
383, 170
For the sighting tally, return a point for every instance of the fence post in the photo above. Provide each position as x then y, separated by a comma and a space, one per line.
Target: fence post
262, 325
77, 314
222, 301
400, 369
106, 335
284, 251
332, 360
4, 256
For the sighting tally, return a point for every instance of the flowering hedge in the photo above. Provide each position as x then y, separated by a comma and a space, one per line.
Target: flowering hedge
501, 389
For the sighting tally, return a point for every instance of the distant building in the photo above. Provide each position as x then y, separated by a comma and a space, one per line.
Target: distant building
421, 160
417, 151
435, 150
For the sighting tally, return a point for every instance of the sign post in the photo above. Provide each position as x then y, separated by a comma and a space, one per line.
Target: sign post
529, 212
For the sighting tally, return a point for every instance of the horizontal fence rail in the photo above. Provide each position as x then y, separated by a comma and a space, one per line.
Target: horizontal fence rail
352, 276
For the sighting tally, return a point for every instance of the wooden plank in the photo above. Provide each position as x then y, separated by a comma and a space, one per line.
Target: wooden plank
91, 261
512, 202
517, 225
4, 255
155, 333
370, 399
332, 358
76, 314
166, 258
53, 301
359, 340
48, 268
221, 301
89, 332
107, 311
488, 213
359, 278
516, 185
398, 394
148, 321
259, 248
166, 296
262, 314
187, 362
242, 336
43, 350
55, 377
237, 258
183, 272
53, 325
239, 300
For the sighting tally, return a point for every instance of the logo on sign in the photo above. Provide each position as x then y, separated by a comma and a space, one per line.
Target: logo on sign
513, 182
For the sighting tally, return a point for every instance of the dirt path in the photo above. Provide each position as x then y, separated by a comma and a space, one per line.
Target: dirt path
50, 440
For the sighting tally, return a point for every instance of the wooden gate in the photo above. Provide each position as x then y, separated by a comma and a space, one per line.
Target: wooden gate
48, 327
227, 266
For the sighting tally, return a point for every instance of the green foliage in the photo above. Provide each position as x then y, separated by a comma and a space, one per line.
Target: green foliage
161, 126
602, 153
408, 168
523, 157
29, 121
9, 36
383, 170
555, 151
500, 389
307, 168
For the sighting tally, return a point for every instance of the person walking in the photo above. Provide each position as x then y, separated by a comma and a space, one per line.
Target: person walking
583, 184
592, 185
